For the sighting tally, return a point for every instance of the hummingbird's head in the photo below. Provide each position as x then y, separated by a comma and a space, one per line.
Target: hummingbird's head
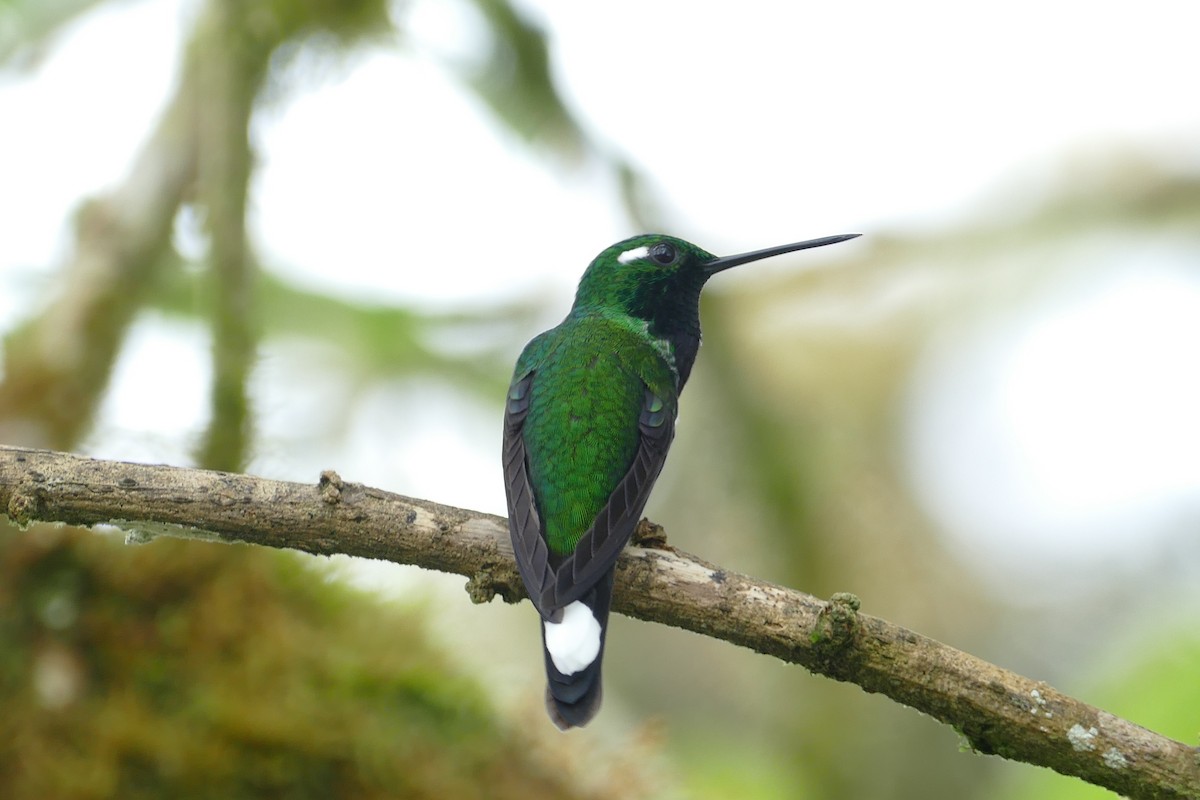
658, 278
652, 277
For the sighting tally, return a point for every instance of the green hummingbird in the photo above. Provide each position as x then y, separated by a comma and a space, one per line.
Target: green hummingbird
590, 416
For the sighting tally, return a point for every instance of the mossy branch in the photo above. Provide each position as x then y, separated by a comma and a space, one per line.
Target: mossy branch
999, 712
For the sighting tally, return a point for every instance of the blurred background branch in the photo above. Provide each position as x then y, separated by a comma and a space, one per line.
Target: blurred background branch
230, 56
57, 363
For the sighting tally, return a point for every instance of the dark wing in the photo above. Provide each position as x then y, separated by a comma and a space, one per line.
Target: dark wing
554, 583
524, 524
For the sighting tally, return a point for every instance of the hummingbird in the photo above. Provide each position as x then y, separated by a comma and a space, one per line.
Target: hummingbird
589, 419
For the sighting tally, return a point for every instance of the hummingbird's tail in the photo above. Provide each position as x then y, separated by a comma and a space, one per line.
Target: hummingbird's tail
573, 696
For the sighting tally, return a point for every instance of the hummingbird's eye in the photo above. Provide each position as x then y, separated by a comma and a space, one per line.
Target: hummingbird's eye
663, 253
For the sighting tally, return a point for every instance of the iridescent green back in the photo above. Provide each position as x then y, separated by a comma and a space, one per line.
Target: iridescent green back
581, 433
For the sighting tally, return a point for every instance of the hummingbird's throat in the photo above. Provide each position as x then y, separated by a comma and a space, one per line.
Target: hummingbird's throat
665, 348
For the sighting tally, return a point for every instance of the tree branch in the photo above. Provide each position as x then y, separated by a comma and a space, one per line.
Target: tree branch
999, 712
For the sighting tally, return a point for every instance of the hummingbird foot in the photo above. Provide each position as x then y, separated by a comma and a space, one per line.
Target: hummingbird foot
492, 581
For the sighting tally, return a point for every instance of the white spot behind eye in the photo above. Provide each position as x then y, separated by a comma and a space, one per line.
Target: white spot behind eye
633, 255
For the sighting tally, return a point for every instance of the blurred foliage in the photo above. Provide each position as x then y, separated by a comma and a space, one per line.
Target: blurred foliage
180, 669
514, 80
28, 26
374, 340
232, 64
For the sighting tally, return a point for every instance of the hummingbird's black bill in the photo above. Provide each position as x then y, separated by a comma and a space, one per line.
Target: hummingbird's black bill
744, 258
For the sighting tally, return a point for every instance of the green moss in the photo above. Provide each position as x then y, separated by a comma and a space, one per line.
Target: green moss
184, 669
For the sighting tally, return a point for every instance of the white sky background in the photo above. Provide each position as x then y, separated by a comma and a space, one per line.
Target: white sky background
775, 123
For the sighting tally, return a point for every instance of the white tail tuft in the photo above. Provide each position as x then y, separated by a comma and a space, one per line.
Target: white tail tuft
574, 643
